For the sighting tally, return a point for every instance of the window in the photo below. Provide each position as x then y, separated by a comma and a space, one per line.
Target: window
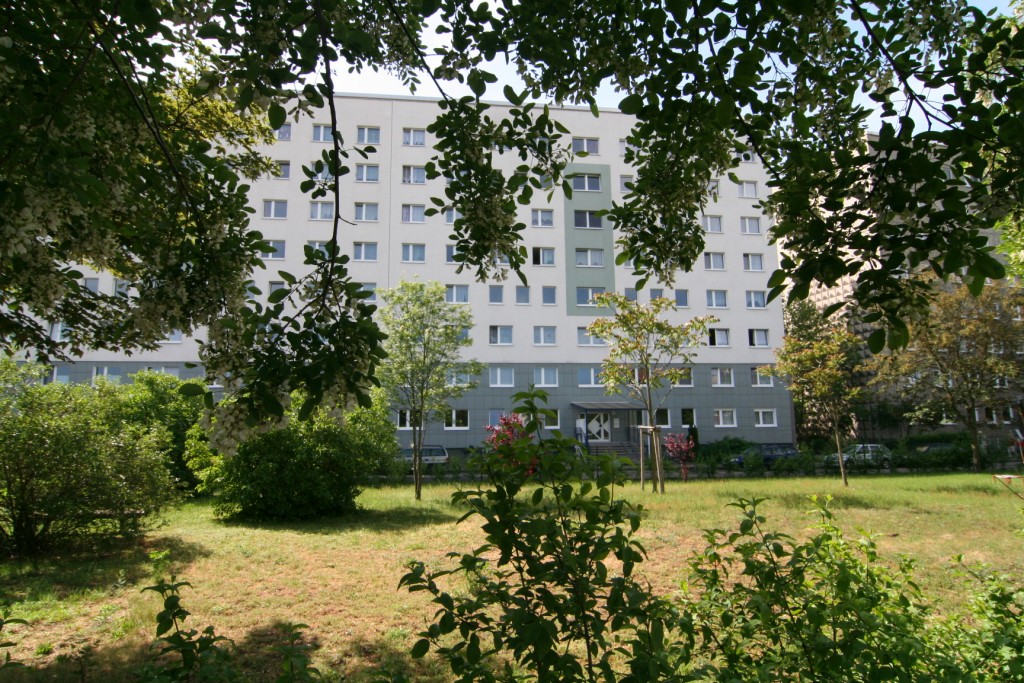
284, 170
494, 416
764, 417
322, 133
717, 298
682, 298
587, 219
413, 213
173, 337
501, 259
757, 298
544, 335
451, 215
630, 294
367, 173
456, 419
711, 223
686, 379
111, 373
366, 212
522, 294
718, 336
171, 370
91, 284
584, 338
721, 377
371, 288
284, 132
625, 183
589, 376
687, 417
321, 211
545, 377
414, 137
713, 189
750, 225
714, 260
549, 421
414, 175
586, 182
543, 256
456, 378
364, 251
324, 175
590, 258
548, 296
724, 417
496, 294
414, 253
274, 252
275, 208
449, 253
456, 294
584, 146
585, 295
753, 262
368, 135
661, 417
500, 335
274, 286
501, 376
757, 337
761, 378
542, 218
404, 419
747, 188
122, 287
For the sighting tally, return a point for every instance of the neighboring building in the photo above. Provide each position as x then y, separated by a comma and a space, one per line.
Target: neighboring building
531, 334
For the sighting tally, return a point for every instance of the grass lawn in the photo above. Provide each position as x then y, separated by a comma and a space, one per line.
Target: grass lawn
89, 620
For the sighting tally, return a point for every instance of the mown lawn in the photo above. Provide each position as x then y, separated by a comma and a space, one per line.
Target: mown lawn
90, 620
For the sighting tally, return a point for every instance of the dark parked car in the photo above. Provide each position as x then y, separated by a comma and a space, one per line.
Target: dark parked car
862, 456
769, 452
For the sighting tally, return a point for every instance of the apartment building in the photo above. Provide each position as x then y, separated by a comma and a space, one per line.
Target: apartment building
533, 334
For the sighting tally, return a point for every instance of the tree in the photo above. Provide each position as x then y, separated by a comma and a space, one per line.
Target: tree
424, 369
820, 372
964, 359
103, 92
647, 354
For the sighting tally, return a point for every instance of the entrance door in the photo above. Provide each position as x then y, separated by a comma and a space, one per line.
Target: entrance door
599, 427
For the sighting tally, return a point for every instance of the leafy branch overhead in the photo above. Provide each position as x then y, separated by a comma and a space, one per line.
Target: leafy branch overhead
116, 156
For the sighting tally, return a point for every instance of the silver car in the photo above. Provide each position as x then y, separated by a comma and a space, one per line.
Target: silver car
862, 455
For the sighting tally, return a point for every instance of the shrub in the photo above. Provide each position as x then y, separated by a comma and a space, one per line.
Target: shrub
65, 473
306, 469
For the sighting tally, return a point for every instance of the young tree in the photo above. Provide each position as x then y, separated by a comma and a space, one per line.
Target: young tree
793, 84
820, 372
647, 354
424, 368
964, 359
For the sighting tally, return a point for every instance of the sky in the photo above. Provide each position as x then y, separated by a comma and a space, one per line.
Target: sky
381, 83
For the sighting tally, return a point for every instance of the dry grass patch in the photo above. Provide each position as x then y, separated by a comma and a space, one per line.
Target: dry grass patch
340, 576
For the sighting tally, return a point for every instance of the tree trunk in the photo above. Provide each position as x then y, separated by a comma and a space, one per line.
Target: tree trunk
656, 453
975, 448
643, 484
839, 452
417, 459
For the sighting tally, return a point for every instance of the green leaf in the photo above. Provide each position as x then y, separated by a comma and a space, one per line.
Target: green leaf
278, 295
277, 115
420, 648
876, 341
191, 389
631, 104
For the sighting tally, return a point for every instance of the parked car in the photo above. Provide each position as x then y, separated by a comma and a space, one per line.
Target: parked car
862, 455
769, 452
430, 456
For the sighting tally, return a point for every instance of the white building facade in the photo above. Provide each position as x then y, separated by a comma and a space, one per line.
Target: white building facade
526, 334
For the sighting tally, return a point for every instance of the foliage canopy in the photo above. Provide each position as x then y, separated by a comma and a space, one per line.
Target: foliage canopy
116, 153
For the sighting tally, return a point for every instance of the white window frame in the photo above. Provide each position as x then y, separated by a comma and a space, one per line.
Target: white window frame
718, 337
414, 175
594, 376
591, 219
450, 250
722, 377
686, 381
624, 182
748, 262
414, 137
496, 335
367, 173
712, 224
496, 294
363, 209
586, 182
412, 250
587, 146
451, 215
543, 257
683, 422
284, 170
584, 338
746, 189
277, 252
761, 379
284, 133
501, 376
414, 213
364, 251
542, 218
761, 415
750, 225
757, 299
685, 298
544, 291
321, 211
368, 135
370, 287
322, 132
522, 295
545, 376
553, 424
104, 372
758, 337
717, 298
456, 420
591, 292
718, 415
271, 207
456, 294
714, 260
592, 257
545, 335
